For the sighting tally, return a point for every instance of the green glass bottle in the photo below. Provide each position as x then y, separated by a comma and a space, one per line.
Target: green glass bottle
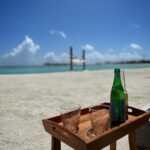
117, 100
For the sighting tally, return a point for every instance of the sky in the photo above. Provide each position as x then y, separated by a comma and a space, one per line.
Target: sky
33, 32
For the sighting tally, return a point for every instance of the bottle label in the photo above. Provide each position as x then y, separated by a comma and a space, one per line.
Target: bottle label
118, 111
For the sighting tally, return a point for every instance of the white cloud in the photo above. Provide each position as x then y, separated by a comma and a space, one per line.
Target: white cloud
134, 25
51, 57
88, 47
98, 57
135, 46
23, 54
60, 33
93, 56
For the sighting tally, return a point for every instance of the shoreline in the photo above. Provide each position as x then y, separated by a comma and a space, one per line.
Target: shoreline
59, 69
75, 71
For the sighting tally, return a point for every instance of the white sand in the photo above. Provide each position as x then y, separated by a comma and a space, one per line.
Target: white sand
26, 99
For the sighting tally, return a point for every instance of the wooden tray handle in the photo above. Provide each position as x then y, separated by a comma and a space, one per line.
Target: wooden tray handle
62, 134
131, 110
134, 111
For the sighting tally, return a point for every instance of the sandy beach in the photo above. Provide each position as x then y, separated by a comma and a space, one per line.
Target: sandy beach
27, 99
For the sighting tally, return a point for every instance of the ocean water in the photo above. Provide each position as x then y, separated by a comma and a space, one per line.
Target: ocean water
51, 69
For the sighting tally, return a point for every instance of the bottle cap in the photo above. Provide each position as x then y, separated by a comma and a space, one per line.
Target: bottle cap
117, 70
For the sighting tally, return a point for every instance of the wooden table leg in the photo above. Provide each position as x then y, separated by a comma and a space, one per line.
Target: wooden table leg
113, 146
132, 140
56, 145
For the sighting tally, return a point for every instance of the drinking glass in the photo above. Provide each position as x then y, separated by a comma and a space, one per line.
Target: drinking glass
70, 114
100, 118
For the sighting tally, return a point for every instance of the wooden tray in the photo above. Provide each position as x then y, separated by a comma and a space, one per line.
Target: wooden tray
81, 141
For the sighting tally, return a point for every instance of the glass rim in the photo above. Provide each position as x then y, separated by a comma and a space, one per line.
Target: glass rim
66, 107
97, 107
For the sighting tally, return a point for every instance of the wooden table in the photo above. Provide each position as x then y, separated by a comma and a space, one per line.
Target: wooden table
81, 141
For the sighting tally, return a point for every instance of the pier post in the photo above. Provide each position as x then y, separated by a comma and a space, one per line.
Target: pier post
71, 58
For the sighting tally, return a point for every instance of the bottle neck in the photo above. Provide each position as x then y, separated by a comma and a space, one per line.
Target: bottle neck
117, 75
117, 80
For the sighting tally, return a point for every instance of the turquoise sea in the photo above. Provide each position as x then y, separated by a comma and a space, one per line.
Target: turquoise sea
51, 69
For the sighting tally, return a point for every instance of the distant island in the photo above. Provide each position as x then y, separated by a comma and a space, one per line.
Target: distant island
56, 64
143, 61
47, 64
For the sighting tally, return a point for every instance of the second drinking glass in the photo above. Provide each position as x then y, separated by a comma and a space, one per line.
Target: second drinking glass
100, 118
